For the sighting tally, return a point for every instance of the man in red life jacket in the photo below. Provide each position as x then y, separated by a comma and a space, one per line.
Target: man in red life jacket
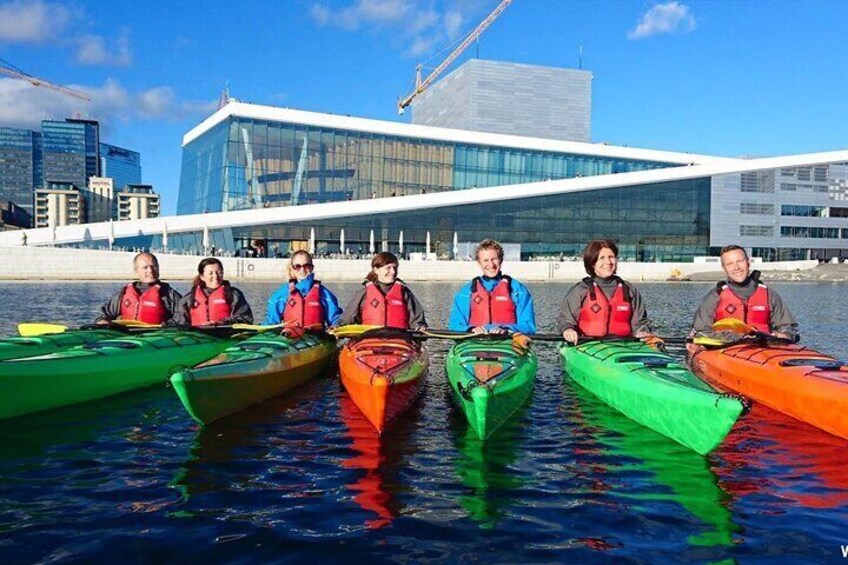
147, 299
744, 297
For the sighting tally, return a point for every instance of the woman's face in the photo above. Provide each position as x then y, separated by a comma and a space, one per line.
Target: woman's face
301, 266
212, 276
387, 274
606, 264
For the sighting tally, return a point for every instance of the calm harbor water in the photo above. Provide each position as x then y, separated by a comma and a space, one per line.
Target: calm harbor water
133, 478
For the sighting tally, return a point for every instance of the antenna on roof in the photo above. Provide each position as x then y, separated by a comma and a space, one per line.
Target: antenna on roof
580, 56
225, 96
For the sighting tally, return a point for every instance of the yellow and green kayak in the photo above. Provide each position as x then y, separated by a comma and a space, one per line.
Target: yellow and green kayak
18, 347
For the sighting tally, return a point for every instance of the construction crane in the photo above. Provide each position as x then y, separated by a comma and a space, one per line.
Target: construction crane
14, 72
422, 85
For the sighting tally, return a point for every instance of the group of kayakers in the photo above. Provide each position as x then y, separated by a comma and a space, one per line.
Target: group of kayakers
602, 304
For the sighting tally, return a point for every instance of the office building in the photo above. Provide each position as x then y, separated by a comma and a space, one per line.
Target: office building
122, 165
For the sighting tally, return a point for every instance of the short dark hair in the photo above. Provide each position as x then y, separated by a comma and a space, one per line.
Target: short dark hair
381, 260
593, 251
729, 248
489, 243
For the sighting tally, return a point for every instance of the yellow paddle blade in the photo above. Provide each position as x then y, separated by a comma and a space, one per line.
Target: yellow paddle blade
134, 324
29, 329
448, 335
709, 341
733, 325
258, 328
351, 330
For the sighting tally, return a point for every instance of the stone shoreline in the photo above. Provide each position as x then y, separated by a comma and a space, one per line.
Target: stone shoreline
826, 272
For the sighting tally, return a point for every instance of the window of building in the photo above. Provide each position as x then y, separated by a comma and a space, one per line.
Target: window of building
756, 208
760, 231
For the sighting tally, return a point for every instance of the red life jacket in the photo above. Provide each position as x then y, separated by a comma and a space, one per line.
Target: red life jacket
496, 307
145, 307
600, 317
755, 311
304, 311
380, 309
207, 310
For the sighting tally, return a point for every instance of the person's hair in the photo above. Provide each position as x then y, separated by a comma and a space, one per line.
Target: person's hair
729, 248
593, 251
202, 265
380, 260
289, 269
487, 244
139, 255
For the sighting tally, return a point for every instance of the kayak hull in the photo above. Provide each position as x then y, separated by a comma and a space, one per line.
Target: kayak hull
249, 372
383, 376
100, 369
654, 390
20, 347
792, 379
490, 380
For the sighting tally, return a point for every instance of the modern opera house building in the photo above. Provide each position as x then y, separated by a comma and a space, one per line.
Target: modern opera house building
285, 177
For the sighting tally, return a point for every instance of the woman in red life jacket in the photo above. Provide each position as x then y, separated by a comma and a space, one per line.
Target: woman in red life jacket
384, 299
303, 301
212, 300
147, 299
602, 304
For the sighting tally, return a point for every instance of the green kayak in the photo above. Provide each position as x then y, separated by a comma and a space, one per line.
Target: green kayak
96, 370
18, 347
653, 389
490, 380
256, 369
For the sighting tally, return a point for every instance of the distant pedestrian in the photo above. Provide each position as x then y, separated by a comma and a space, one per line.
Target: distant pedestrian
23, 239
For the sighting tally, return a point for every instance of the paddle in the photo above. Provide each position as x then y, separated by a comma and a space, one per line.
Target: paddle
30, 329
740, 327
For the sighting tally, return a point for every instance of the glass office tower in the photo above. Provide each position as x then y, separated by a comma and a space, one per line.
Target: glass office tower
71, 151
122, 165
20, 150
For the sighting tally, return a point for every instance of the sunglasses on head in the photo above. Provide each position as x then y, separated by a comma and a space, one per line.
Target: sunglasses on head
303, 266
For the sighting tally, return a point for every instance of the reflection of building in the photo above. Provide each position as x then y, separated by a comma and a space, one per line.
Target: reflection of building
137, 202
122, 165
511, 98
20, 162
60, 204
656, 205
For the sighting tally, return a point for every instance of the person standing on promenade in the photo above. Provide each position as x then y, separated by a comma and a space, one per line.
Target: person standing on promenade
744, 297
602, 304
212, 300
493, 302
384, 299
303, 301
147, 299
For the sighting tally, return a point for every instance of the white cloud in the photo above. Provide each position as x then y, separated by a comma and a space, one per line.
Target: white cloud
92, 50
23, 105
416, 23
671, 17
23, 21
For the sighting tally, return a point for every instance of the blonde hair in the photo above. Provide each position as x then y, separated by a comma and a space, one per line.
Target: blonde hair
289, 270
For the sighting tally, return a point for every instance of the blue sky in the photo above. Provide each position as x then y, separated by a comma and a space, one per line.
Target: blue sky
719, 77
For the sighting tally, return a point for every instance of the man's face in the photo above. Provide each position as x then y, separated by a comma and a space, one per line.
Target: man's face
489, 262
736, 265
147, 269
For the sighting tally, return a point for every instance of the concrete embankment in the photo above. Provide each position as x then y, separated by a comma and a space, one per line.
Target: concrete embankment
48, 263
831, 272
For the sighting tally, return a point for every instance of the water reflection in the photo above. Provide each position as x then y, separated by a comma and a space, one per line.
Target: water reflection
688, 477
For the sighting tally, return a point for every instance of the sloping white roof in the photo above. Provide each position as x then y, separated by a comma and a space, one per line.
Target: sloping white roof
287, 115
282, 215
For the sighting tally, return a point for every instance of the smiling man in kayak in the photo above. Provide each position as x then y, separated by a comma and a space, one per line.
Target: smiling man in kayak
493, 302
743, 297
147, 300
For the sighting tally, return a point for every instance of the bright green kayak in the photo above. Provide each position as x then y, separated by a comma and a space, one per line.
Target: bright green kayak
490, 381
258, 368
18, 347
96, 370
653, 389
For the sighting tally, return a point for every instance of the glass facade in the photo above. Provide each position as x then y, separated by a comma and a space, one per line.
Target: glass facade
245, 163
18, 149
70, 151
122, 165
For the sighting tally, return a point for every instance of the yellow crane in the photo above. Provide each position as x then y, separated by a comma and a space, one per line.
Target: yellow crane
14, 72
422, 85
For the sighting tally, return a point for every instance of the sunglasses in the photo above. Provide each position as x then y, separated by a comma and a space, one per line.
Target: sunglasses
304, 266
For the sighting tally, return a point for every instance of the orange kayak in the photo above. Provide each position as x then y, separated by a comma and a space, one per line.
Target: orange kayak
382, 376
793, 379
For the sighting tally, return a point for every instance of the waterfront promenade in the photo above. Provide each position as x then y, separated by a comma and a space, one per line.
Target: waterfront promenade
49, 263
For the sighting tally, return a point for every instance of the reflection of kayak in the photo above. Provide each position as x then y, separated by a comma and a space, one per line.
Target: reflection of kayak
100, 369
18, 347
812, 461
792, 379
249, 372
688, 475
383, 376
490, 380
654, 390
